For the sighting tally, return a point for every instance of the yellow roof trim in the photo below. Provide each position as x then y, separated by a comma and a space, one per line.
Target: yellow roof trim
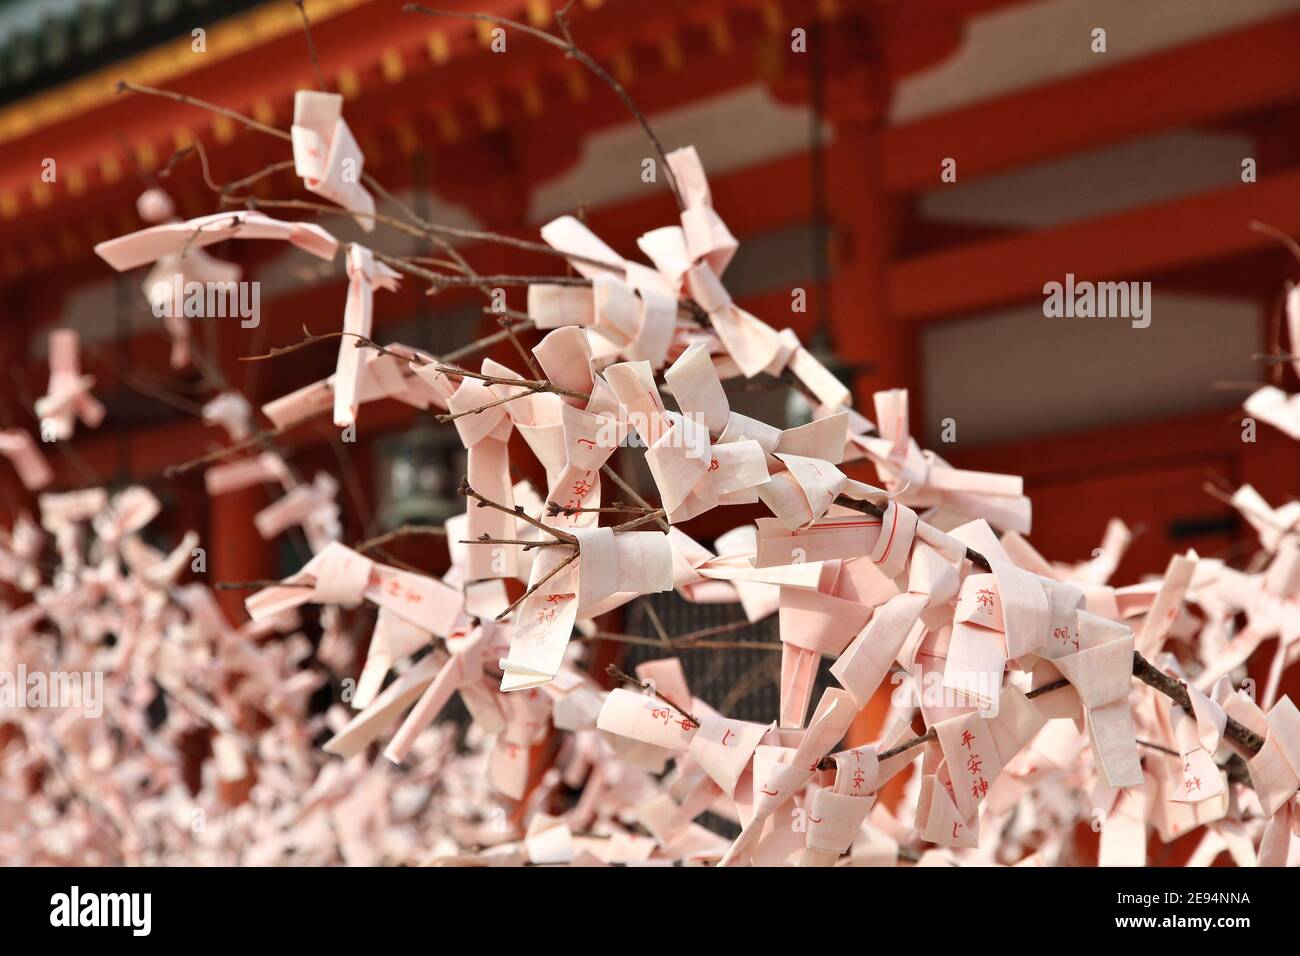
161, 64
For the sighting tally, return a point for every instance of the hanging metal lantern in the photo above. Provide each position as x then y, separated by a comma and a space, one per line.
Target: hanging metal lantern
418, 473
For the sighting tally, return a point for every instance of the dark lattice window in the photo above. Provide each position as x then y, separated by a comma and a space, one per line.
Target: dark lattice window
743, 683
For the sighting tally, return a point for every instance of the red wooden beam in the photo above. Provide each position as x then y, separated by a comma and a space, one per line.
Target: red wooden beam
1117, 449
1139, 243
1201, 82
361, 41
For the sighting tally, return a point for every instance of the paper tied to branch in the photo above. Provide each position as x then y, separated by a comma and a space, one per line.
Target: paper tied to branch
1276, 610
838, 812
1197, 736
399, 372
392, 640
931, 570
310, 506
365, 273
803, 492
644, 331
692, 472
231, 411
1165, 606
167, 287
1276, 527
1101, 672
463, 669
631, 324
231, 476
543, 622
678, 450
588, 442
812, 624
25, 455
128, 511
724, 747
384, 711
1124, 830
1275, 770
643, 717
67, 397
974, 749
174, 238
486, 435
616, 567
922, 479
326, 154
1002, 615
776, 782
339, 575
695, 255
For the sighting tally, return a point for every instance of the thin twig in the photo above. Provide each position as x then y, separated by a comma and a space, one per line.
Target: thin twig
550, 574
486, 341
517, 511
680, 645
256, 585
405, 530
1160, 747
261, 174
628, 490
657, 624
435, 232
527, 356
259, 438
572, 50
124, 87
526, 545
1279, 235
311, 44
553, 509
445, 417
617, 674
637, 522
533, 384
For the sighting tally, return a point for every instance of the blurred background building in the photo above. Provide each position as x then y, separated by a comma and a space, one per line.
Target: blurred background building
826, 159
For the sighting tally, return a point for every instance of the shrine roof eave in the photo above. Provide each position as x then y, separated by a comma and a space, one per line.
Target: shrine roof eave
253, 61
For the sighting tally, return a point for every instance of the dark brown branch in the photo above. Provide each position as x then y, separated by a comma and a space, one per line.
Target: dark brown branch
628, 490
517, 511
258, 176
931, 734
1176, 691
617, 507
311, 44
124, 87
637, 522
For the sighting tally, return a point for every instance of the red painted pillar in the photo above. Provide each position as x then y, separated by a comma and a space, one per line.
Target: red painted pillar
863, 237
